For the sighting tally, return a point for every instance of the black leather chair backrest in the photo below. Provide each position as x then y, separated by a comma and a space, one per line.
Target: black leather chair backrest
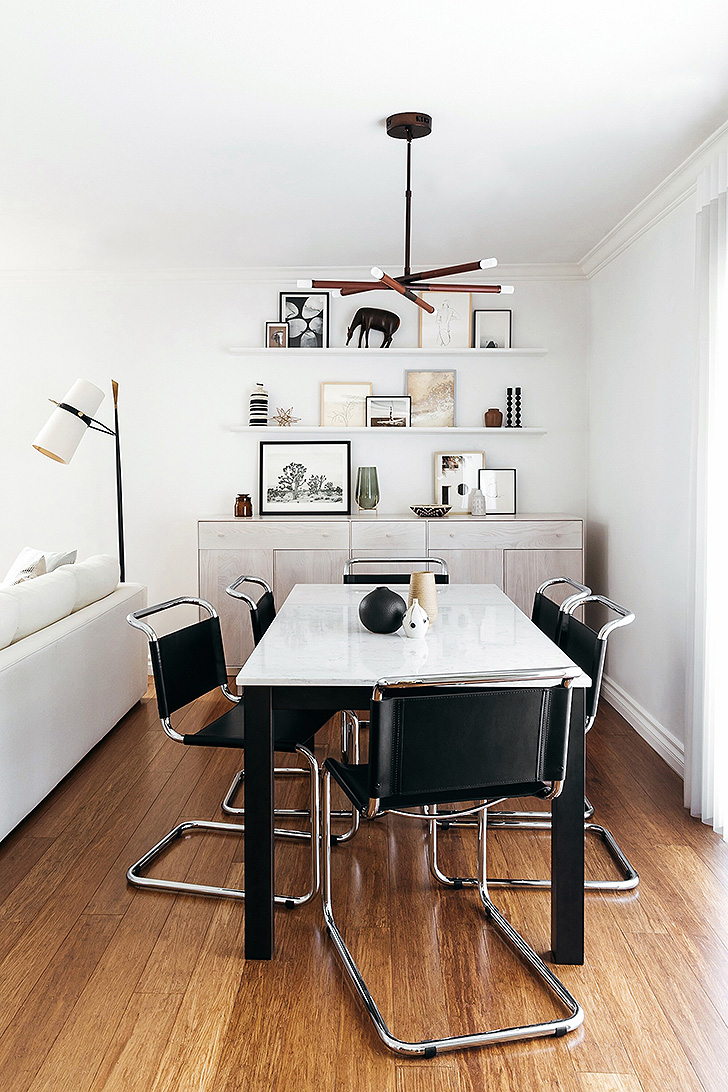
546, 615
187, 664
380, 575
582, 645
262, 615
388, 578
448, 745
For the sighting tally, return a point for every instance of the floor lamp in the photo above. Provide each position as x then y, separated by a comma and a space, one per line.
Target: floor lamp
66, 427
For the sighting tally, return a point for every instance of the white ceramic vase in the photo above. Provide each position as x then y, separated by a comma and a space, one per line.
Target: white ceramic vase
415, 622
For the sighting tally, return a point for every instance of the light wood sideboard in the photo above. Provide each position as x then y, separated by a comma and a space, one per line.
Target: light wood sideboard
517, 553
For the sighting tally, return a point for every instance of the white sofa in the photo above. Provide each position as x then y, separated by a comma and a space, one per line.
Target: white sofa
66, 684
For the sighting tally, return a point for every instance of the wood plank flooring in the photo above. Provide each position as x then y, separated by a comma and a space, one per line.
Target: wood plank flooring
104, 987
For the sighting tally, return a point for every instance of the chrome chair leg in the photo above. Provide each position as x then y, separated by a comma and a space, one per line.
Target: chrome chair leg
628, 881
350, 729
135, 873
429, 1048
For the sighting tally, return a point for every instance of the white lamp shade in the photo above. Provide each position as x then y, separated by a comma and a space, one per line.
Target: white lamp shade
63, 431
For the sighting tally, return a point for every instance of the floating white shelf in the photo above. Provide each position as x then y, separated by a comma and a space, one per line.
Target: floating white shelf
416, 430
352, 351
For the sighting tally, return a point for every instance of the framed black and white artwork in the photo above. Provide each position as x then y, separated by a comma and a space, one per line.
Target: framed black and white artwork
456, 476
449, 326
492, 329
307, 316
305, 477
276, 335
388, 411
499, 489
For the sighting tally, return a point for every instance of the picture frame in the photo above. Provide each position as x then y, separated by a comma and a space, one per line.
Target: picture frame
307, 316
388, 411
492, 329
449, 327
343, 405
304, 477
276, 335
456, 476
433, 398
499, 490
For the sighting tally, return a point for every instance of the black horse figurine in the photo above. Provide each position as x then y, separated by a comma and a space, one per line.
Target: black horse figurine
374, 318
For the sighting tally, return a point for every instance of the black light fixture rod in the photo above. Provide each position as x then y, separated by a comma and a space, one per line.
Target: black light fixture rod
119, 503
408, 207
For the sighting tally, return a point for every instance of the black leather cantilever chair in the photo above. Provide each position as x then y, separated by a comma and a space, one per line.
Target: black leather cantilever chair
512, 733
262, 613
442, 575
187, 664
587, 648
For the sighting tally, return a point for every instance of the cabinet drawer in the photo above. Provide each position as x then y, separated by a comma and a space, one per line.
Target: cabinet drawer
399, 538
288, 535
507, 534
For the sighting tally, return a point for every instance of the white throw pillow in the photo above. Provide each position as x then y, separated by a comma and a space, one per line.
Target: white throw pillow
9, 614
27, 565
54, 561
95, 577
42, 602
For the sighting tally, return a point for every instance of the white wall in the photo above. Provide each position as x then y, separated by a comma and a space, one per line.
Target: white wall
164, 338
640, 379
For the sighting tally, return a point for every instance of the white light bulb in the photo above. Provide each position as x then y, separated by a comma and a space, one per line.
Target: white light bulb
488, 263
304, 284
377, 273
508, 289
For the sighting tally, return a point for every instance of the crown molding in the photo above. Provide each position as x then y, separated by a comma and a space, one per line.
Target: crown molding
281, 276
678, 187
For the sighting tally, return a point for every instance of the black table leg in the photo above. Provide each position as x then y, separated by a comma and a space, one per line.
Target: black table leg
259, 879
567, 848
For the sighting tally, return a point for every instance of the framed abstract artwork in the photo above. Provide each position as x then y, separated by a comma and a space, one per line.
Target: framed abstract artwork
433, 398
307, 316
499, 490
456, 475
305, 477
276, 335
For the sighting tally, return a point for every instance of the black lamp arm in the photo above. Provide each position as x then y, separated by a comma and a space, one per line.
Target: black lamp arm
90, 422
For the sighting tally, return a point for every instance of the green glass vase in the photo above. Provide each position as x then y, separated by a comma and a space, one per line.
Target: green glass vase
367, 488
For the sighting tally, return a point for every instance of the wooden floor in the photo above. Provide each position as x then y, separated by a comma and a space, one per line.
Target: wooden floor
105, 987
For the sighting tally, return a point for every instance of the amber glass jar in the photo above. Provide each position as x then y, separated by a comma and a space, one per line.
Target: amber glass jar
243, 505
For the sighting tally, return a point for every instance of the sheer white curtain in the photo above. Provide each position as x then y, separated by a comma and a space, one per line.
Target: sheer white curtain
706, 752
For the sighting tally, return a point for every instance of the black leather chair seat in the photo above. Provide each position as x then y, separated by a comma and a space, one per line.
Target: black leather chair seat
291, 727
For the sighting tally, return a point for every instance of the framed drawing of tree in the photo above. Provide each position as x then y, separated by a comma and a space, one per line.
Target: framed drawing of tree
306, 478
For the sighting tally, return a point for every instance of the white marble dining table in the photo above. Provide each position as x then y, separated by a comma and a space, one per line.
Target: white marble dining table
317, 654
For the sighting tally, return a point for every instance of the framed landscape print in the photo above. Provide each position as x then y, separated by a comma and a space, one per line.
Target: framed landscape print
499, 490
276, 335
307, 316
449, 327
305, 477
492, 329
343, 405
456, 475
388, 411
433, 398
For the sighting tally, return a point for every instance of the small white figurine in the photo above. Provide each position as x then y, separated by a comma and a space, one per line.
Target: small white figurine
416, 621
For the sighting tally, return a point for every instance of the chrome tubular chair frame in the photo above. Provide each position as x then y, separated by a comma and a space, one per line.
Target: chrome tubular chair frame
136, 872
540, 820
429, 1048
260, 622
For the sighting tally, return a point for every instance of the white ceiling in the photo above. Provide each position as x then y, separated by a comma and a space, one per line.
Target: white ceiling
213, 133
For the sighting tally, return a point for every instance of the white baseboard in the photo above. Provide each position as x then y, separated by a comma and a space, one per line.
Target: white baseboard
659, 738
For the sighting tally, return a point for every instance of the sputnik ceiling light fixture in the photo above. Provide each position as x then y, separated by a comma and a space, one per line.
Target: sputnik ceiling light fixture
409, 127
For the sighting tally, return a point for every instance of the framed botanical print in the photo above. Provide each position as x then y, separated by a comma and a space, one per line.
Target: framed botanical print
456, 475
499, 490
492, 329
307, 316
449, 327
343, 405
433, 398
305, 477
